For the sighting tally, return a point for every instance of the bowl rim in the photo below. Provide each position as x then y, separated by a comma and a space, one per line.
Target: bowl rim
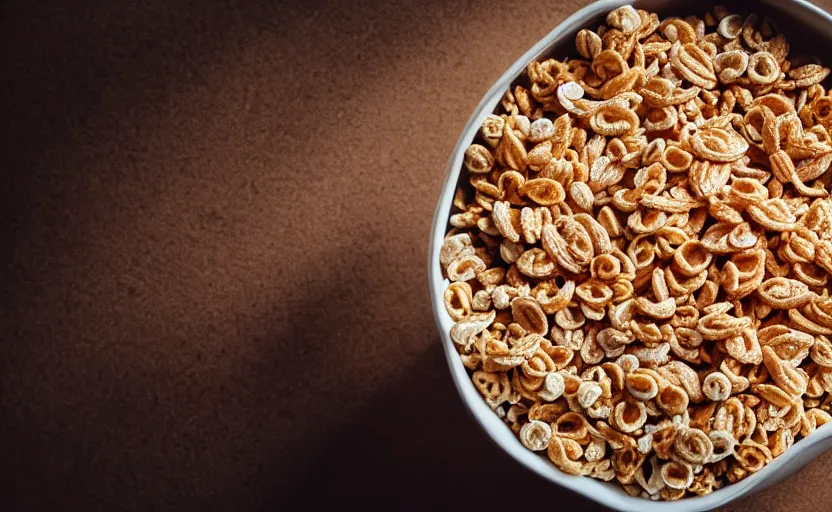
605, 493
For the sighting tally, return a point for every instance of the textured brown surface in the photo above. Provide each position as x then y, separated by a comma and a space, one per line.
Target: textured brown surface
215, 222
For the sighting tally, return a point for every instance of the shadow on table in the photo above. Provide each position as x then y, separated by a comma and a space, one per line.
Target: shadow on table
415, 445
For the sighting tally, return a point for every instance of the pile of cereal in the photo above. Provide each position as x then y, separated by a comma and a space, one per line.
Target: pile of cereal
640, 253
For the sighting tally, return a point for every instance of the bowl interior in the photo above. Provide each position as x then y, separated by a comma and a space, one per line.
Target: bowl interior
807, 29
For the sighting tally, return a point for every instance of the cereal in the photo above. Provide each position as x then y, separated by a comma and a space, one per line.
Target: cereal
639, 265
458, 300
536, 435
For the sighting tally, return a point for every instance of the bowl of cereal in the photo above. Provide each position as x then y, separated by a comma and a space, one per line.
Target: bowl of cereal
630, 258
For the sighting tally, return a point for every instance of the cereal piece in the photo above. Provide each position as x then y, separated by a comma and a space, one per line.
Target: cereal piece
458, 300
588, 44
455, 246
553, 387
660, 310
572, 425
685, 376
791, 380
763, 68
692, 63
612, 119
565, 454
628, 417
788, 344
541, 129
528, 313
676, 475
568, 243
724, 445
643, 384
511, 151
478, 159
552, 298
481, 301
718, 145
588, 394
625, 19
782, 293
717, 387
599, 237
463, 331
494, 387
507, 220
536, 435
744, 347
535, 263
543, 191
676, 159
752, 456
692, 446
821, 351
492, 129
672, 400
568, 94
730, 26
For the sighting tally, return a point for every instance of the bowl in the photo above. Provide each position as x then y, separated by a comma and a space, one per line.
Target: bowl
801, 22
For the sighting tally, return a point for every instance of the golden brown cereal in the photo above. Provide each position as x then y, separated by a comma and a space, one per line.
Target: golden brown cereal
535, 435
463, 332
677, 475
588, 43
640, 251
763, 68
478, 159
692, 446
458, 300
566, 454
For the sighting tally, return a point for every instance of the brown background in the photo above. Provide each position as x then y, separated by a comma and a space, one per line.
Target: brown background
215, 223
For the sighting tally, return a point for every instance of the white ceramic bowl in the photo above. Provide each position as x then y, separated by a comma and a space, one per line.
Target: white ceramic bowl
805, 21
